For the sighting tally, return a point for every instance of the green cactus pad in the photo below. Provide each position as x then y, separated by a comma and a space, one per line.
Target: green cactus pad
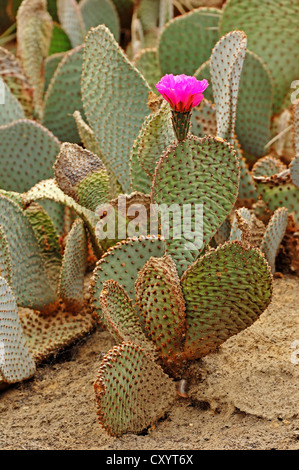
10, 108
254, 108
155, 139
160, 300
225, 292
29, 279
139, 180
47, 335
128, 390
48, 189
51, 64
120, 316
70, 18
196, 171
95, 12
203, 119
187, 41
278, 191
16, 362
81, 175
60, 41
254, 104
63, 97
247, 189
28, 152
5, 262
34, 31
47, 239
225, 80
274, 234
122, 263
115, 98
268, 166
74, 266
272, 21
147, 62
90, 142
15, 78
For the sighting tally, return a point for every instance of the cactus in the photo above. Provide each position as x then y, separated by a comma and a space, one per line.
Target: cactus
267, 239
63, 97
30, 282
81, 175
187, 41
147, 62
184, 319
16, 362
263, 38
74, 266
95, 12
131, 255
13, 75
185, 174
34, 30
71, 19
253, 115
129, 384
11, 109
226, 80
115, 105
156, 138
26, 144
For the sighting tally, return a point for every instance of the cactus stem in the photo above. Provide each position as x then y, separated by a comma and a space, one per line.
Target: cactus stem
181, 124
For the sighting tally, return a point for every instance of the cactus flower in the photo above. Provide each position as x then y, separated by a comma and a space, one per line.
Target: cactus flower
182, 91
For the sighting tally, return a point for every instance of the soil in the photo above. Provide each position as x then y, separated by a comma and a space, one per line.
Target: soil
245, 396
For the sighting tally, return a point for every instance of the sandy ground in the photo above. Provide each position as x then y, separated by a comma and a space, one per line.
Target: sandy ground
245, 396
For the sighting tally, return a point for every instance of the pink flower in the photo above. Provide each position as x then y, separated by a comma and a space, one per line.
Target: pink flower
182, 91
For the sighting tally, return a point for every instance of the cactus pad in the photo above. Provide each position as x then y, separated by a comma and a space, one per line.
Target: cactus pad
156, 137
74, 266
70, 18
160, 300
225, 291
274, 234
122, 263
63, 97
34, 31
16, 362
147, 62
29, 279
10, 108
115, 97
81, 175
15, 78
120, 316
95, 12
128, 390
186, 174
281, 57
187, 41
226, 78
28, 152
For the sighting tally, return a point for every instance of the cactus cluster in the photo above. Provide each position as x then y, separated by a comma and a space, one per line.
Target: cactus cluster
87, 143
